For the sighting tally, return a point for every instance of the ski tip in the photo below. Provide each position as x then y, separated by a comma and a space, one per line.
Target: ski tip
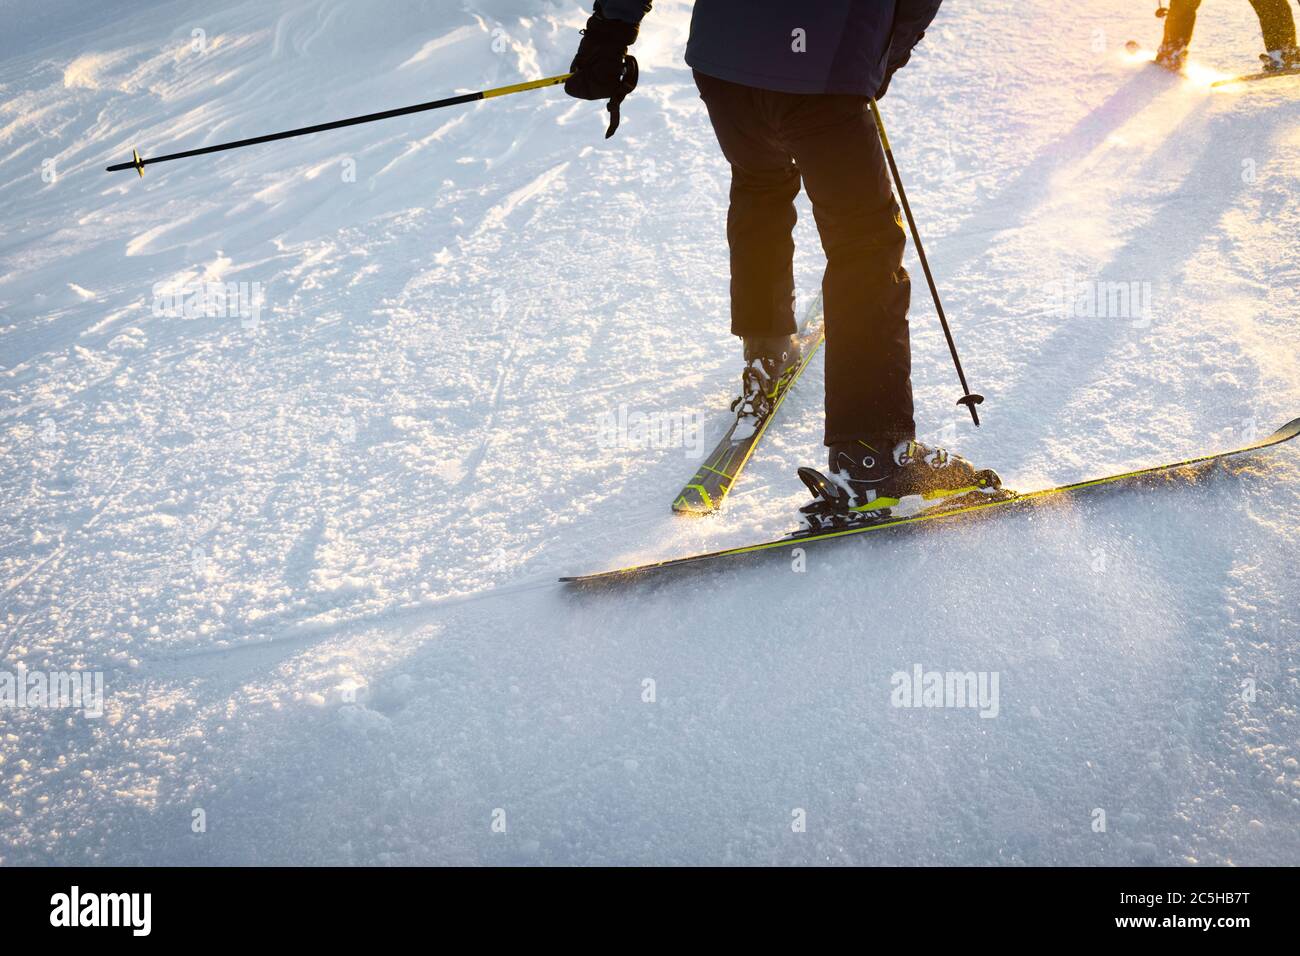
1253, 77
695, 500
1288, 431
602, 577
138, 163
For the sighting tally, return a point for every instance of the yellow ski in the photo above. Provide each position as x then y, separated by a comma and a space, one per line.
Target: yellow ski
948, 511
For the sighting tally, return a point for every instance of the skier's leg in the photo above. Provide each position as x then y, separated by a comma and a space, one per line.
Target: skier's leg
866, 290
1179, 24
1277, 24
761, 219
1181, 21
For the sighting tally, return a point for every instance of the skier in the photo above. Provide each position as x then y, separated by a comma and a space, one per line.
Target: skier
787, 87
1275, 20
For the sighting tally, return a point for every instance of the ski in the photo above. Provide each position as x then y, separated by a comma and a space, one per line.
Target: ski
706, 491
950, 511
1136, 48
1254, 77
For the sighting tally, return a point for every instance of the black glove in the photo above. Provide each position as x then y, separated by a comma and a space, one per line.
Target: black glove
602, 68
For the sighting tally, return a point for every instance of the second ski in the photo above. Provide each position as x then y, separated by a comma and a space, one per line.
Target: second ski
706, 491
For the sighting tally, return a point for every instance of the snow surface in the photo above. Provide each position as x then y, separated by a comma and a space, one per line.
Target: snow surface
316, 558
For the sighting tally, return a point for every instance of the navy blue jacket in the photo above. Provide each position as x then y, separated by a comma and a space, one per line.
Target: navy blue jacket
799, 46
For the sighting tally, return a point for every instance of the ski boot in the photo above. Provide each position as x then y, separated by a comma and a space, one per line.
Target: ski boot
1172, 57
865, 486
1281, 61
770, 364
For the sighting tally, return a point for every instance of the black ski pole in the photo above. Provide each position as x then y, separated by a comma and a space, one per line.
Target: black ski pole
138, 163
969, 398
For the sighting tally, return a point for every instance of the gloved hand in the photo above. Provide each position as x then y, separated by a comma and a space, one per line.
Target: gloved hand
602, 68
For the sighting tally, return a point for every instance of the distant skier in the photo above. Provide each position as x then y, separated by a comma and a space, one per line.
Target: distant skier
1275, 19
787, 88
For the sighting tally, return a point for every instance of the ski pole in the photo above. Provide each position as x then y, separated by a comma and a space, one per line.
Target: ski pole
969, 398
138, 163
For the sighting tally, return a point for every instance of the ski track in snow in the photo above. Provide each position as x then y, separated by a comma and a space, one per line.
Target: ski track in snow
315, 558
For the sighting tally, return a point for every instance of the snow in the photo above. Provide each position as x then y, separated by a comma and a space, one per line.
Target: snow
314, 551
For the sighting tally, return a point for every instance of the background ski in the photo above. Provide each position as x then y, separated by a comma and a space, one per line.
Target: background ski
1148, 59
1253, 77
706, 491
1283, 434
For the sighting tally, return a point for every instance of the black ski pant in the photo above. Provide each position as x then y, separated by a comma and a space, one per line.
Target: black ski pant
1275, 20
774, 141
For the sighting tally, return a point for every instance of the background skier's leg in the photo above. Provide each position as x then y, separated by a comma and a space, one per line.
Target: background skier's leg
761, 220
1179, 25
866, 289
1277, 24
1180, 22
